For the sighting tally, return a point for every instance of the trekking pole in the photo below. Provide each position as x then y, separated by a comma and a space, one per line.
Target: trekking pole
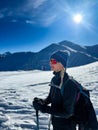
37, 120
49, 123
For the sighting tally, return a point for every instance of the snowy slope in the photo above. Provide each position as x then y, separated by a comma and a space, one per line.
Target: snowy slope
18, 88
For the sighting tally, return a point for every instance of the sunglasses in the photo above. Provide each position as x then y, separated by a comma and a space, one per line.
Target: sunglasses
53, 61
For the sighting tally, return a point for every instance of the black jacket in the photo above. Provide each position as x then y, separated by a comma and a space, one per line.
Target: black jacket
62, 104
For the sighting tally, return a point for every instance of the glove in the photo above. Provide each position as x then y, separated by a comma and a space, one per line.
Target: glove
38, 106
38, 103
39, 100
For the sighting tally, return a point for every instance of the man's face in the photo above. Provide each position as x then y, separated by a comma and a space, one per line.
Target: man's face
56, 66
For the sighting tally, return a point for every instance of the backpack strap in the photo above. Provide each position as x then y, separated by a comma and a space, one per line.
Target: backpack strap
81, 89
65, 84
62, 88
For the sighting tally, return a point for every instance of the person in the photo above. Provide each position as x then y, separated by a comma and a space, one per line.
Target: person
61, 106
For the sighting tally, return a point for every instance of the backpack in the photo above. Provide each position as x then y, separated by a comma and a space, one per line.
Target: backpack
84, 113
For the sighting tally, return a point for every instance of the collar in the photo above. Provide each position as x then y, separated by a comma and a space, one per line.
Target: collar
58, 74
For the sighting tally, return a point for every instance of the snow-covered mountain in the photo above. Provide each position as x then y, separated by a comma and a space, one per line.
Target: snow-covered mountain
80, 55
18, 88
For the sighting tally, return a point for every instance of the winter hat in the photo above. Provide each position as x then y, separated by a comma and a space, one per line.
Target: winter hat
61, 56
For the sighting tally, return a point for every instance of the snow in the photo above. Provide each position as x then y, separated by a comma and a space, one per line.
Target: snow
70, 49
18, 88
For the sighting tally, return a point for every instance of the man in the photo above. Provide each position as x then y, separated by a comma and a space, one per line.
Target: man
61, 103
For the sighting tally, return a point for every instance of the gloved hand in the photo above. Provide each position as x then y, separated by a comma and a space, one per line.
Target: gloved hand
38, 106
38, 103
39, 100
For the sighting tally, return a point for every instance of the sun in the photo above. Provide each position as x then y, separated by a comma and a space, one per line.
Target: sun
77, 18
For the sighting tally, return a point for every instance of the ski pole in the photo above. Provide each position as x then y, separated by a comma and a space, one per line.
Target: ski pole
37, 119
49, 123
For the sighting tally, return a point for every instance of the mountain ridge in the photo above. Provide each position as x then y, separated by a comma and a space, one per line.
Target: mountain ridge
80, 55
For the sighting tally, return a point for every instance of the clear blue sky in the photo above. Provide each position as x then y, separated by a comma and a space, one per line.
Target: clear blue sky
30, 25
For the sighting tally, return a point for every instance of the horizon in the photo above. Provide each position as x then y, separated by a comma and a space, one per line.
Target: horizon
32, 25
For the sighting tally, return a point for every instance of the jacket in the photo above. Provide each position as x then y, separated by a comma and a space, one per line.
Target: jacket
62, 106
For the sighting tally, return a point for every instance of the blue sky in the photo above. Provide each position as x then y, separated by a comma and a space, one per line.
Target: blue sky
30, 25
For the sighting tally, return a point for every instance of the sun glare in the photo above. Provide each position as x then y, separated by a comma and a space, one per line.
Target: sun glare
77, 18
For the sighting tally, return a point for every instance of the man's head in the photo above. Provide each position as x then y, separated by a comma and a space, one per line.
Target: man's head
59, 59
